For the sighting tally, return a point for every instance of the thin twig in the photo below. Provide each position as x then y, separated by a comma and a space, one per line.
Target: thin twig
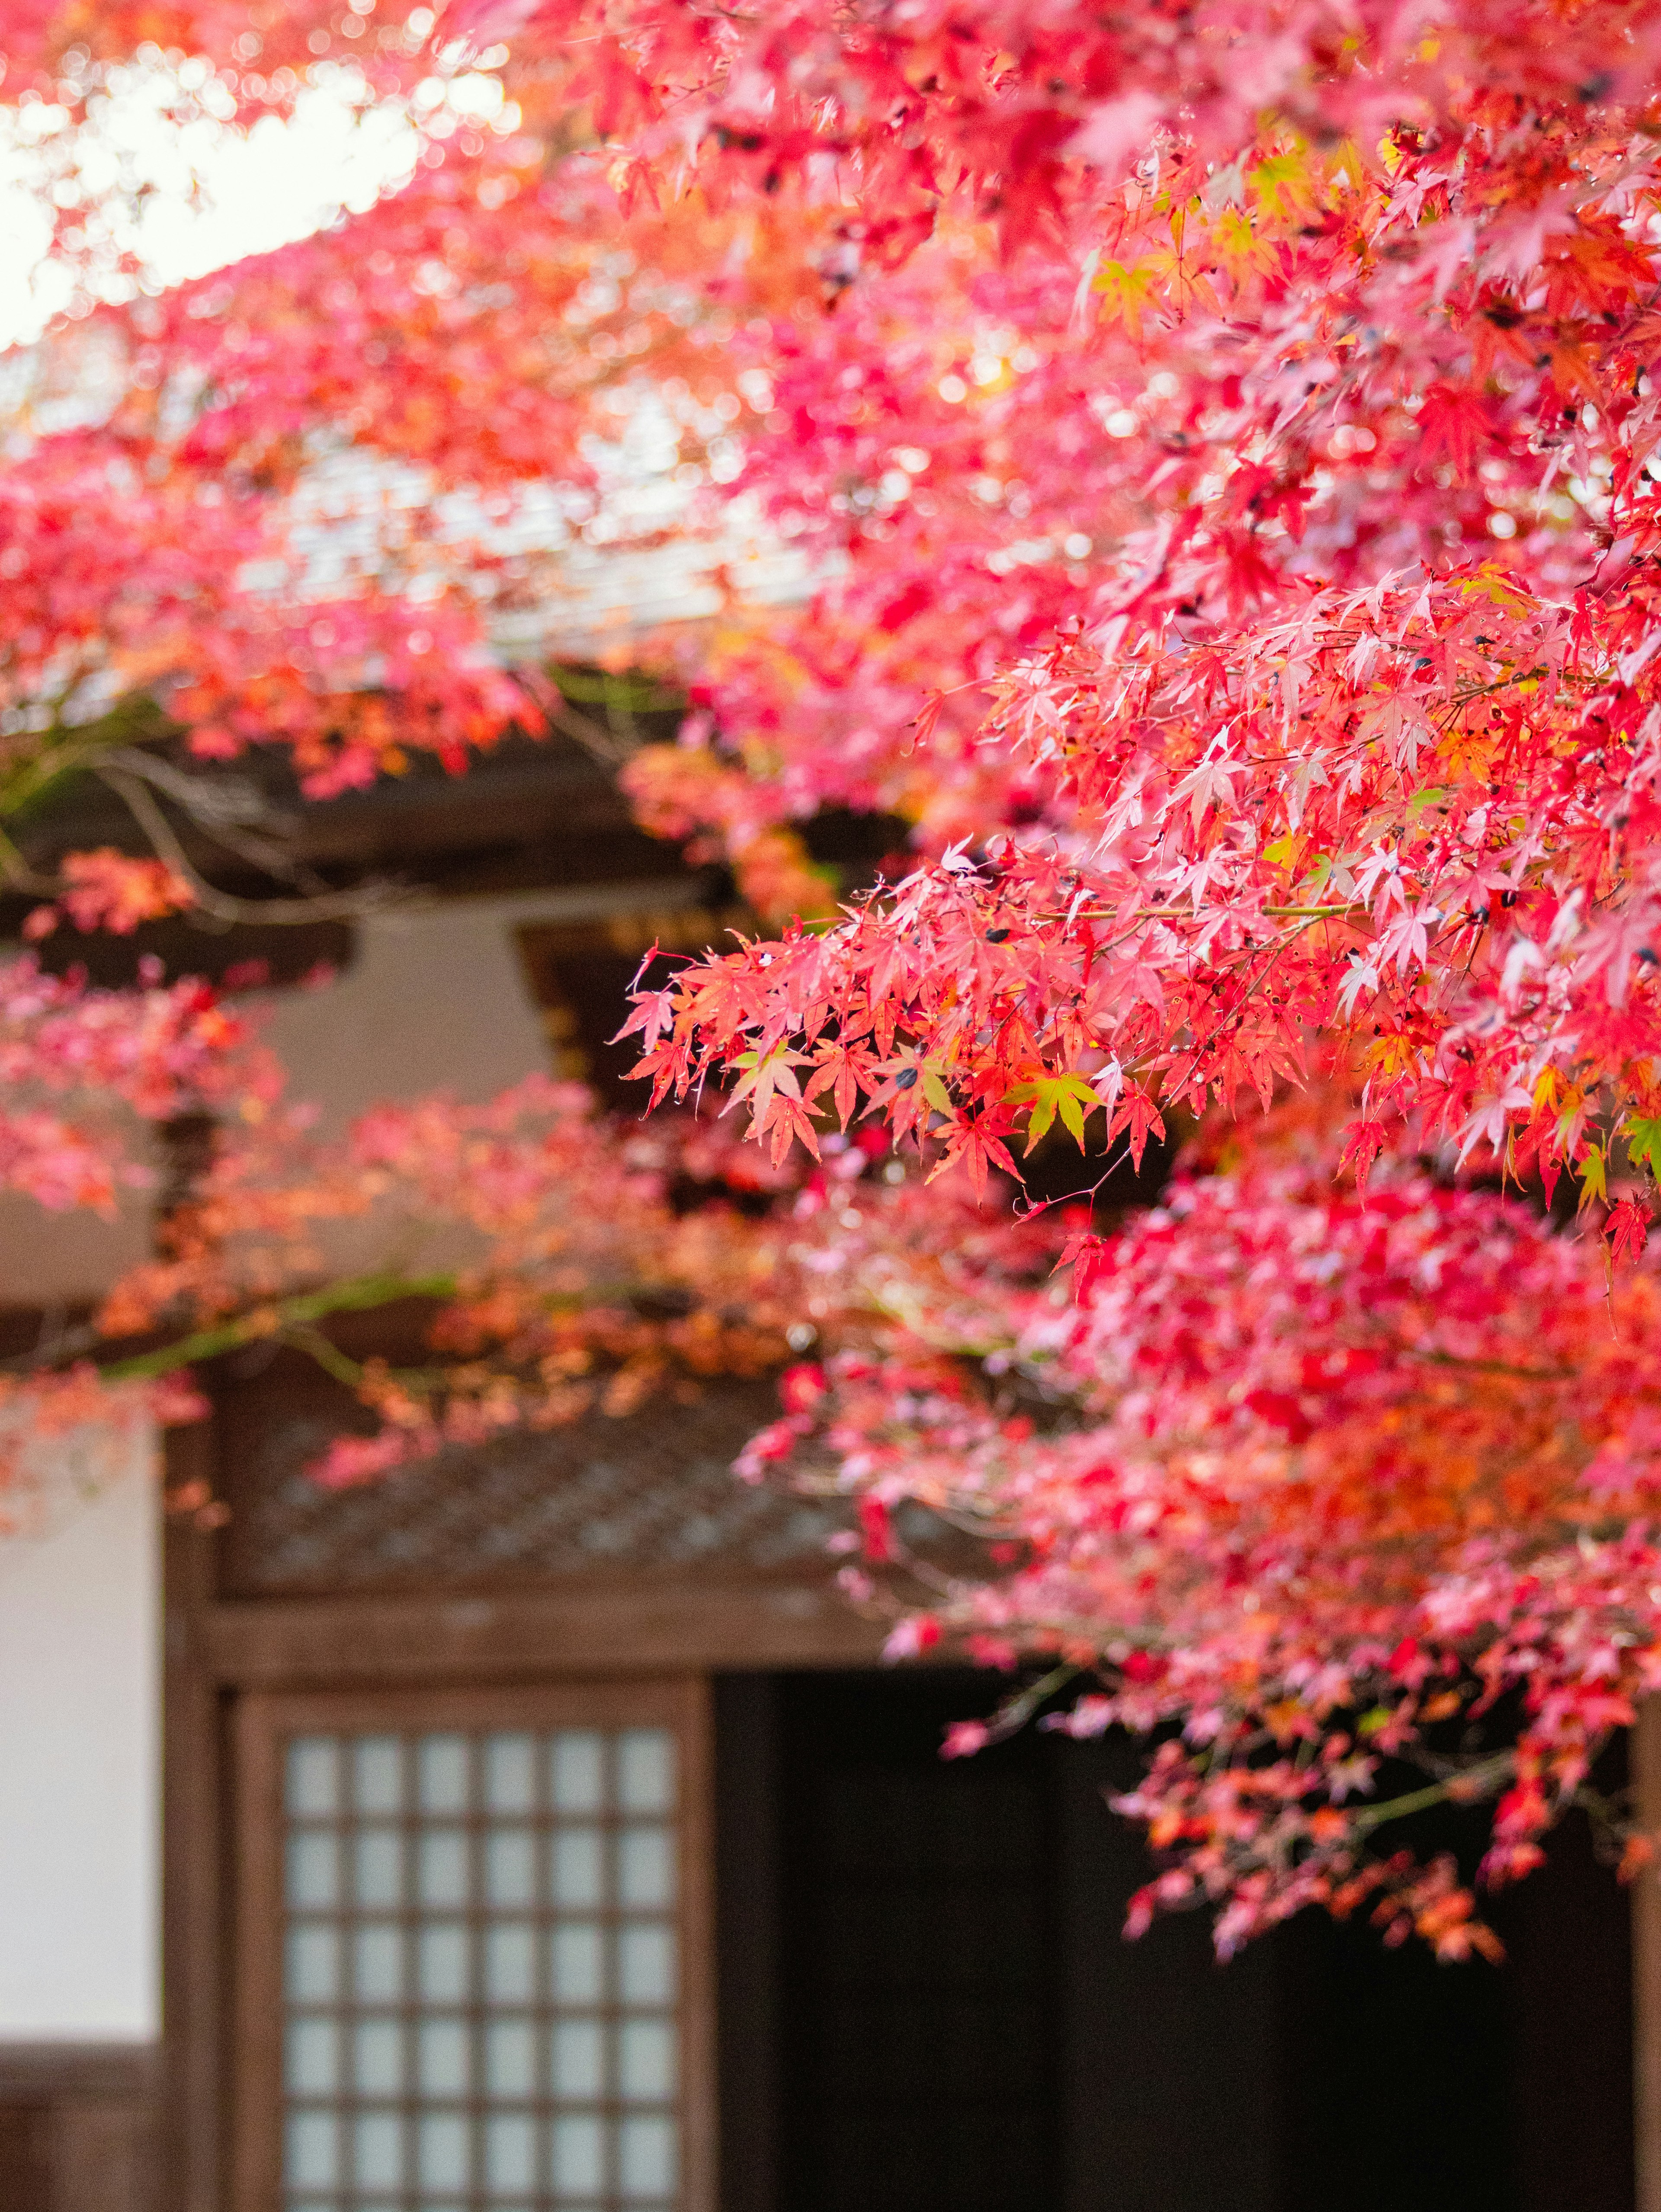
328, 906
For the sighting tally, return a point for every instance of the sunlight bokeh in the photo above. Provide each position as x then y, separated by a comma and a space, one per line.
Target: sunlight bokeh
171, 189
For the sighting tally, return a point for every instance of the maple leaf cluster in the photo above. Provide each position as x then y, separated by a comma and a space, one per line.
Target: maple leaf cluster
1221, 445
1288, 555
1312, 1486
557, 1275
1286, 706
82, 1069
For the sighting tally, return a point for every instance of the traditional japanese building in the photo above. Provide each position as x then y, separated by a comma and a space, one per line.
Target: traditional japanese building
537, 1829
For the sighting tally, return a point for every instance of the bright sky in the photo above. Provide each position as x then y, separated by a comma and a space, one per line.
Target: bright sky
257, 190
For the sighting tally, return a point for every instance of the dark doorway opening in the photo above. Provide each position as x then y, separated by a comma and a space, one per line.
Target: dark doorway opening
927, 2004
921, 2043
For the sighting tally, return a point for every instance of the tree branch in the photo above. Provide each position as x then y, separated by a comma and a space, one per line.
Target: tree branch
322, 906
361, 1295
1471, 1782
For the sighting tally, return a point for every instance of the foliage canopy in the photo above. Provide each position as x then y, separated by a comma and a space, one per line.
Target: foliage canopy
1225, 445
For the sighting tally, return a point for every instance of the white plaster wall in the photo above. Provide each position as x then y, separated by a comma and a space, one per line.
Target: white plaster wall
434, 1000
80, 1740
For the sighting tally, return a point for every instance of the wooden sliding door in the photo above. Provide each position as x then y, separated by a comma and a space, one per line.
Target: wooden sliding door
473, 1951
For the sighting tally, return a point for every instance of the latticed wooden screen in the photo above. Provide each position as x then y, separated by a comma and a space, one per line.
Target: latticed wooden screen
648, 1494
480, 1974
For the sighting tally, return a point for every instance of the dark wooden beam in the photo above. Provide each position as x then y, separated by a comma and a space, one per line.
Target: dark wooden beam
296, 1642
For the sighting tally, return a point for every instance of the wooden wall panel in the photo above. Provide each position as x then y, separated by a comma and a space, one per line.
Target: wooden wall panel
79, 2128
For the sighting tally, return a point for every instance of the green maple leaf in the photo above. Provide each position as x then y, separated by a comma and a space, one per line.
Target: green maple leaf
1643, 1139
934, 1091
1594, 1182
1070, 1095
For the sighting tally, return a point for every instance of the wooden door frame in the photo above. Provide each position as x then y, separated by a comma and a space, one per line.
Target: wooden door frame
265, 1718
194, 1859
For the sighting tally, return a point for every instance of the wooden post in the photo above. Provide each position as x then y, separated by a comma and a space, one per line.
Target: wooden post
1647, 1963
192, 1954
192, 1906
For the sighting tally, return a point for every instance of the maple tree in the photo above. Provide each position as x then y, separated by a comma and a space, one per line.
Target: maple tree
1282, 711
1221, 444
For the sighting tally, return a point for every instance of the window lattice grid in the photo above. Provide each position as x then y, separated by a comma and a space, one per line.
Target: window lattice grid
480, 1972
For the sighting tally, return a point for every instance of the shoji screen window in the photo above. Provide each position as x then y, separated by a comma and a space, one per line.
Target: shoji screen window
474, 1965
